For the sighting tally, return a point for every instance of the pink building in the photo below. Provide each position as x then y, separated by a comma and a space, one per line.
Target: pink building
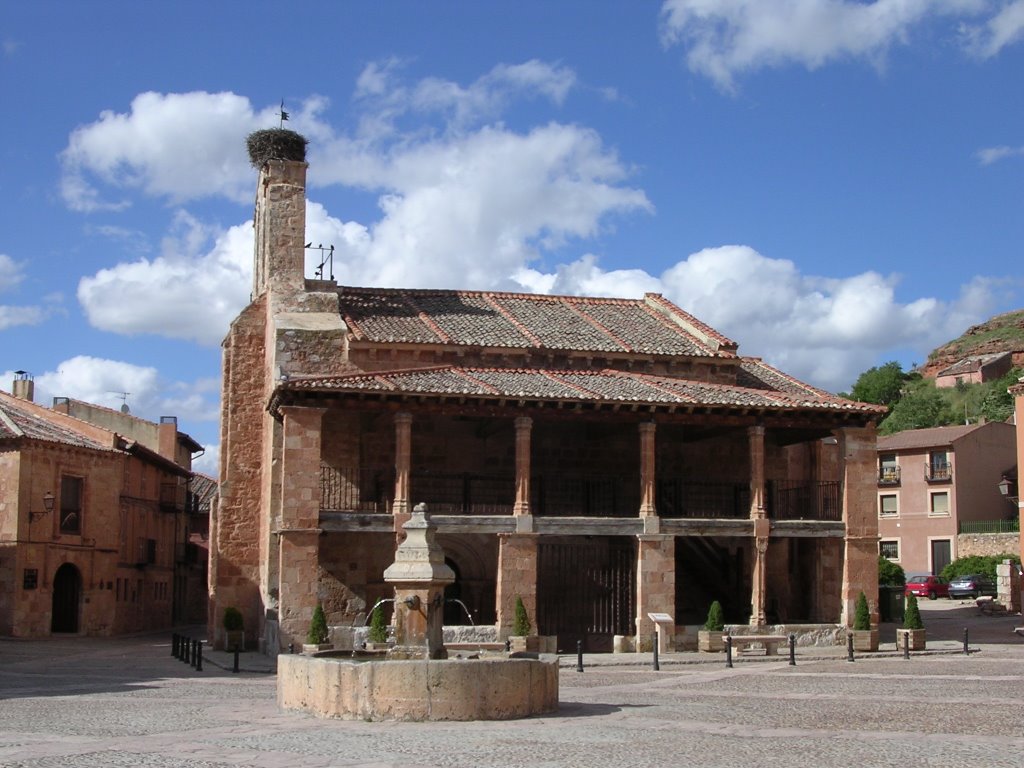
975, 370
933, 481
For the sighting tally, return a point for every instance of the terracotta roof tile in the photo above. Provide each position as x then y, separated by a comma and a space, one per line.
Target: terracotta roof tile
20, 421
521, 320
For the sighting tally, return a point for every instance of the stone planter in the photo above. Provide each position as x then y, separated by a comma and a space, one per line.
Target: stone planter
913, 638
524, 643
865, 640
371, 646
312, 648
710, 642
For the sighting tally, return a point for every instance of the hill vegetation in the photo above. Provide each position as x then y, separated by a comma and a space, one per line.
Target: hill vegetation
1002, 333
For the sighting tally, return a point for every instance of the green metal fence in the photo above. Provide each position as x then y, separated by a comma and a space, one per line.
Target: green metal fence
990, 526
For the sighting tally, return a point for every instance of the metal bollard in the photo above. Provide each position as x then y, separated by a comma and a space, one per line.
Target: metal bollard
849, 647
906, 645
174, 644
579, 655
728, 651
792, 649
656, 665
192, 661
234, 666
183, 648
199, 655
291, 647
967, 649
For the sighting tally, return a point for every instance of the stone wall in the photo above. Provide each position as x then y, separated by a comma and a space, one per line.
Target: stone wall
986, 544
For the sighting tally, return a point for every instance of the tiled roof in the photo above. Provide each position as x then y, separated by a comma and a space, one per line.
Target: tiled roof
651, 325
18, 420
970, 364
933, 437
204, 488
608, 386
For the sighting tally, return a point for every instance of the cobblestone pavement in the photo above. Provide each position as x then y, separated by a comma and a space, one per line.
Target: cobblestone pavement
127, 702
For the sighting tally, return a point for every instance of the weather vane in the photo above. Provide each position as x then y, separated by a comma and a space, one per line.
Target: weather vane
282, 114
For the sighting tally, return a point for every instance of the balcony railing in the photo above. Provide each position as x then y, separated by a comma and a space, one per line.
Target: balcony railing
989, 526
889, 475
938, 472
567, 495
789, 500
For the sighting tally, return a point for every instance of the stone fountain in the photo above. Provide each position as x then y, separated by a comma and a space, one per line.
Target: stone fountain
416, 680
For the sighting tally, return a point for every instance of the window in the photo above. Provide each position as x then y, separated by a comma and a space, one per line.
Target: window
939, 503
70, 504
889, 549
888, 505
888, 469
938, 466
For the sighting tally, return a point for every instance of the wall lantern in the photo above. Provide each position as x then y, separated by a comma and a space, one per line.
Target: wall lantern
48, 499
1006, 487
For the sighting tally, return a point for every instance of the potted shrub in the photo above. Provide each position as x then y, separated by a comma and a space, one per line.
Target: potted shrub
864, 637
912, 633
316, 637
711, 637
234, 629
378, 636
521, 639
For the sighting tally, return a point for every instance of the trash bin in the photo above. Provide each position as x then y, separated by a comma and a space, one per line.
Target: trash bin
890, 603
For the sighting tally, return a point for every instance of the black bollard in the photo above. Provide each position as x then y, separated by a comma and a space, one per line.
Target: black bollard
728, 651
182, 648
906, 644
967, 650
849, 647
291, 647
792, 649
656, 665
579, 655
192, 653
234, 666
199, 655
174, 644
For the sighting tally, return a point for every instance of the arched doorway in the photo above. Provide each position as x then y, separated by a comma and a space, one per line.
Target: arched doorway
67, 593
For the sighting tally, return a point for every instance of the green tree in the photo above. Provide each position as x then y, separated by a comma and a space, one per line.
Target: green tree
921, 406
983, 564
317, 627
861, 615
890, 574
378, 629
881, 385
912, 615
715, 621
521, 623
997, 403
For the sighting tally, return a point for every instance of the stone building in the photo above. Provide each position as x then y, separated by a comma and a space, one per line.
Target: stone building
90, 520
602, 459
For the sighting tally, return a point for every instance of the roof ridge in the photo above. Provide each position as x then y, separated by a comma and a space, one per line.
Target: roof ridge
668, 323
595, 323
551, 376
426, 319
657, 298
463, 373
519, 326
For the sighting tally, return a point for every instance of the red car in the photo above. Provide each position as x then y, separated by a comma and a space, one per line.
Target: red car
927, 586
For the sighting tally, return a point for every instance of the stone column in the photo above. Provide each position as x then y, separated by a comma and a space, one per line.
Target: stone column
524, 425
655, 585
403, 462
517, 577
762, 527
299, 534
858, 454
647, 470
1017, 390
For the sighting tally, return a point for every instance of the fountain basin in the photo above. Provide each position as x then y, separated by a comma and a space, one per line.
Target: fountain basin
416, 690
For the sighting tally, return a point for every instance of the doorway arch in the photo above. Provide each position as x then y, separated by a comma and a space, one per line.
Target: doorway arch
67, 594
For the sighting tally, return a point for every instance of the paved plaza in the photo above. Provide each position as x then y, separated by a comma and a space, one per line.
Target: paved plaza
127, 702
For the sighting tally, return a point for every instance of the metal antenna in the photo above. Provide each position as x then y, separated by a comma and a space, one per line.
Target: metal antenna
282, 114
326, 257
123, 397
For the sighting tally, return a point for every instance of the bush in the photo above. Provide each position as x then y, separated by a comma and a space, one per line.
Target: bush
521, 625
233, 621
715, 621
317, 627
890, 574
378, 629
862, 616
983, 564
912, 615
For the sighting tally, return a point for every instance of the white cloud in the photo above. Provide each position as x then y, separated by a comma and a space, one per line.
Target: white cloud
991, 155
113, 383
726, 38
10, 272
822, 330
1003, 29
11, 275
181, 146
185, 293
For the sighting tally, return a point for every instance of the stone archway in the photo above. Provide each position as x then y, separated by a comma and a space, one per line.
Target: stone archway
67, 598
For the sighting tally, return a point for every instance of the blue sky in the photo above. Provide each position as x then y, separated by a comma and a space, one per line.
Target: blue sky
833, 184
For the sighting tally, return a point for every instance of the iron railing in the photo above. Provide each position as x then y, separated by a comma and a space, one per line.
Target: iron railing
564, 495
691, 499
889, 475
938, 472
989, 526
356, 490
789, 500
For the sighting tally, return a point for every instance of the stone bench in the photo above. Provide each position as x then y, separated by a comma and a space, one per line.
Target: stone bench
771, 643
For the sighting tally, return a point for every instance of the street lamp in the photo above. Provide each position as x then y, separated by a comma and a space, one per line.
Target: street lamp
48, 498
1005, 486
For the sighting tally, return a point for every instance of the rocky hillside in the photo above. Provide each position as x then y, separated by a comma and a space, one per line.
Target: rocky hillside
1002, 333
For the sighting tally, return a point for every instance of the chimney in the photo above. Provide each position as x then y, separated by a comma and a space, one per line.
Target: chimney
280, 217
24, 387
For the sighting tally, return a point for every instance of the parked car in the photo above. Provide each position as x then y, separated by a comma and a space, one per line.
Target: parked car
927, 586
971, 585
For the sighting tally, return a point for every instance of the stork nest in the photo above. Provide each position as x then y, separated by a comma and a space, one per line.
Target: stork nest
275, 144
